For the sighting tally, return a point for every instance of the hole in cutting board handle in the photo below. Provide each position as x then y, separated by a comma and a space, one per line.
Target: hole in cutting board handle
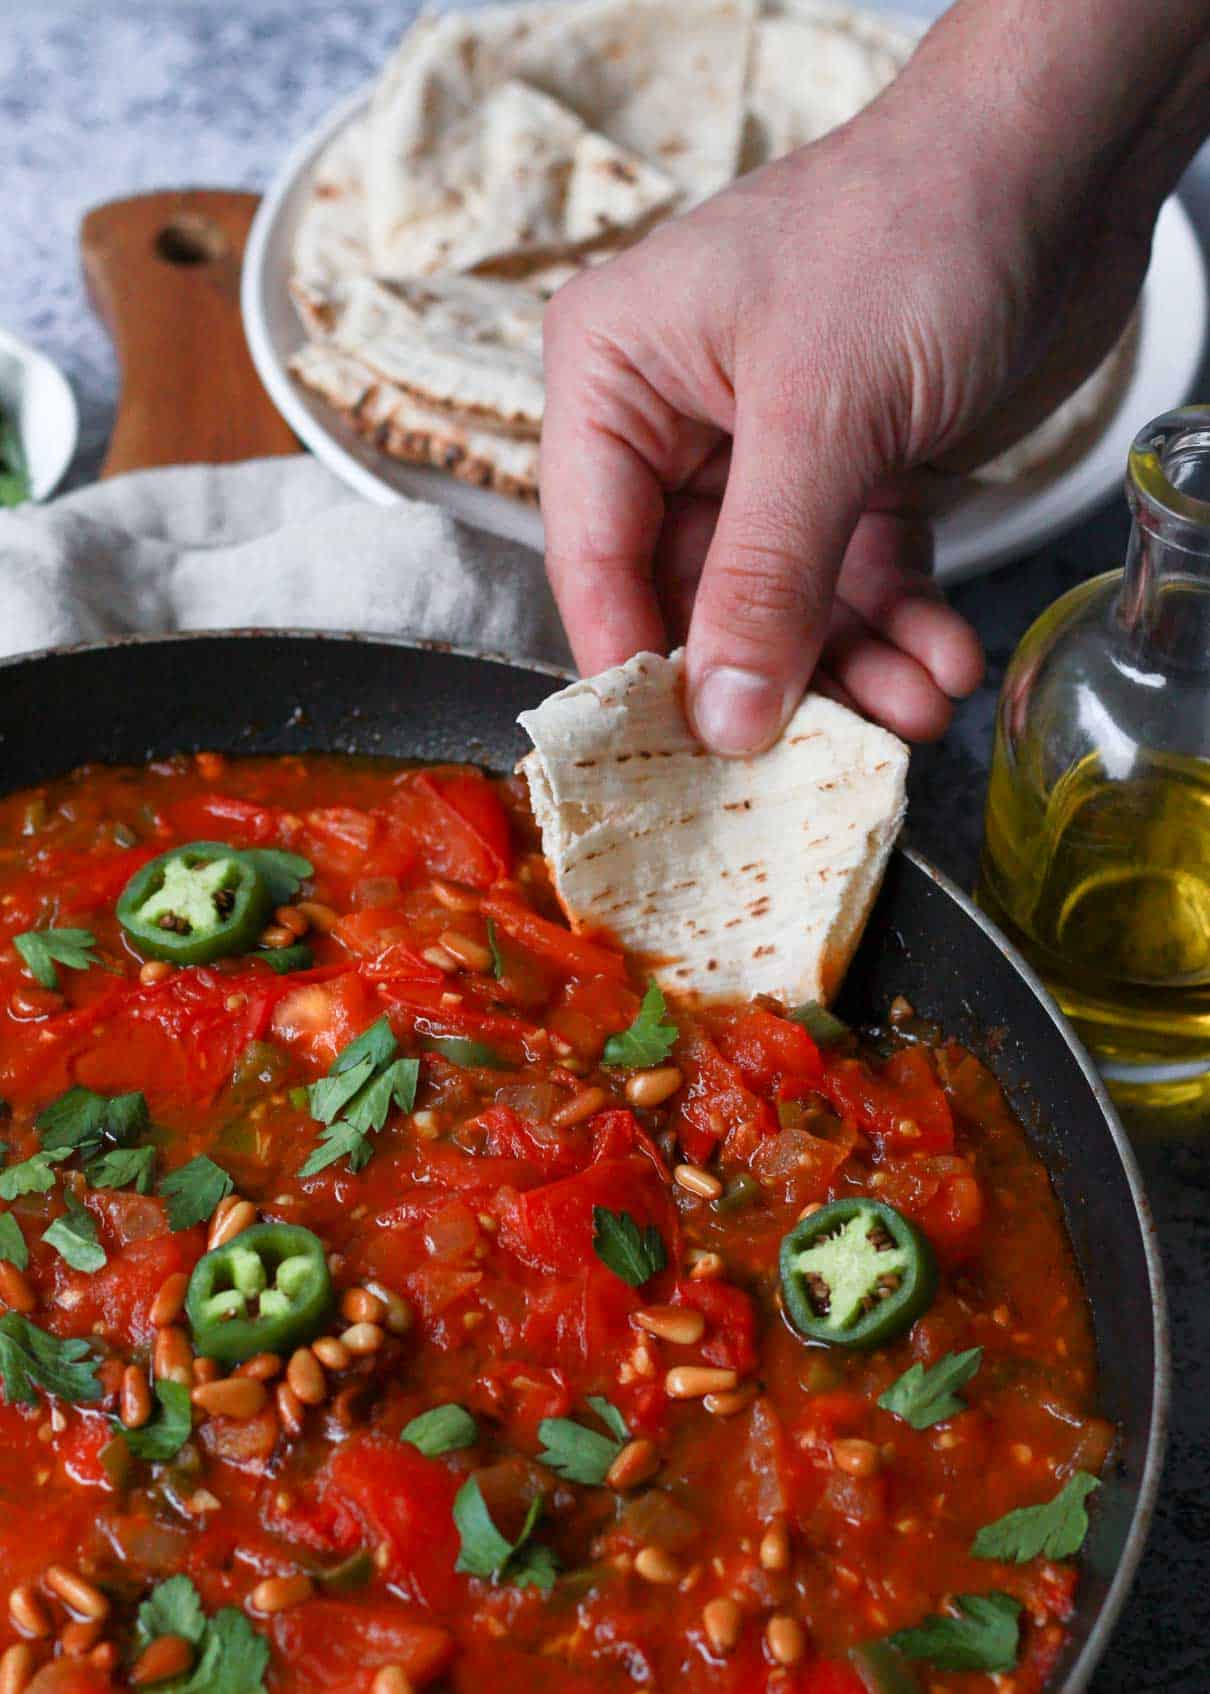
190, 239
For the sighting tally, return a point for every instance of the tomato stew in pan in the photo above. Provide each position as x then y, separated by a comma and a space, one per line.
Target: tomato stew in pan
396, 1295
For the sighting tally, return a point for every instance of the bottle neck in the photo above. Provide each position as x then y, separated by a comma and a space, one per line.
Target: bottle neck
1164, 606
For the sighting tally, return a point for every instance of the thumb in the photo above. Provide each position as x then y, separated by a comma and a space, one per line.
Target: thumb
793, 498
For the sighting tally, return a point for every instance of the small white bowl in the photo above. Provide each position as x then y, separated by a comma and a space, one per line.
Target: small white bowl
36, 395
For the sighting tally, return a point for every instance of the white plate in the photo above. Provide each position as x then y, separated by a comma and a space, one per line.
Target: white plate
985, 525
35, 394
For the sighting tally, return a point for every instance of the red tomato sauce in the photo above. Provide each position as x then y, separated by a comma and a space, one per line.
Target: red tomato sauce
464, 1250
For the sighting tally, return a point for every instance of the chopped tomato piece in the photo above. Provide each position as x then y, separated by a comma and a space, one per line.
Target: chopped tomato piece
730, 1338
342, 1642
768, 1050
575, 955
223, 817
903, 1102
79, 1451
339, 839
319, 1018
117, 1299
454, 821
551, 1228
405, 1501
715, 1102
380, 938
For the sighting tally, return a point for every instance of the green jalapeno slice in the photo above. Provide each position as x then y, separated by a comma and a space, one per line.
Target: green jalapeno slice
856, 1273
268, 1290
195, 903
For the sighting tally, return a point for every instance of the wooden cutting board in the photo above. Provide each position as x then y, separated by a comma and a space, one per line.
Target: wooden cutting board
163, 273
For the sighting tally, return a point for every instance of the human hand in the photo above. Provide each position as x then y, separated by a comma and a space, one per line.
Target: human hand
742, 408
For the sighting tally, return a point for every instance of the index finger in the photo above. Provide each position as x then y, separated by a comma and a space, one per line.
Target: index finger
611, 446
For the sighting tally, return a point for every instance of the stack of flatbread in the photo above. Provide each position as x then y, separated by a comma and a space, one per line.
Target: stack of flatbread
506, 148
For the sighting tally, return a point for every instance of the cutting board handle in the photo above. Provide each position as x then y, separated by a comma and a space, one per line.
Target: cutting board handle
163, 273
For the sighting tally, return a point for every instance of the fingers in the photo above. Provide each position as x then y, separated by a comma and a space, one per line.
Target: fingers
881, 681
610, 445
761, 613
884, 579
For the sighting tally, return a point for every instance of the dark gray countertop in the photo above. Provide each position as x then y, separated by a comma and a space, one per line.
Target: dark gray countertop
101, 101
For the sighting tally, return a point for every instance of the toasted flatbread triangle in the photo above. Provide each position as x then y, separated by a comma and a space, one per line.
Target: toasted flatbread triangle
731, 877
519, 174
662, 80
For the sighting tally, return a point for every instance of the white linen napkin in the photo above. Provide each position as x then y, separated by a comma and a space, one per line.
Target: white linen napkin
270, 543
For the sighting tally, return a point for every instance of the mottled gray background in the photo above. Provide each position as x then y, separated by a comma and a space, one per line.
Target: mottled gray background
100, 100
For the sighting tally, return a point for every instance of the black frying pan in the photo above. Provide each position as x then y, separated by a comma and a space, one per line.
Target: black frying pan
269, 693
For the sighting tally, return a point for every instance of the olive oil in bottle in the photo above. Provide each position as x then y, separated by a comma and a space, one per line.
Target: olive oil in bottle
1096, 856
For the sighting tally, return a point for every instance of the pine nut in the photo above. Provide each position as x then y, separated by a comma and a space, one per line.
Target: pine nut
76, 1592
290, 1409
585, 1104
653, 1564
332, 1353
169, 1303
399, 1314
651, 1088
136, 1398
35, 1002
682, 1325
80, 1637
15, 1288
275, 936
319, 916
694, 1180
727, 1405
469, 952
358, 1305
456, 899
166, 1656
27, 1613
637, 1461
263, 1366
722, 1620
16, 1668
785, 1639
361, 1338
305, 1375
706, 1266
775, 1548
234, 1221
440, 959
238, 1397
856, 1458
281, 1593
294, 919
694, 1382
206, 1370
172, 1356
392, 1679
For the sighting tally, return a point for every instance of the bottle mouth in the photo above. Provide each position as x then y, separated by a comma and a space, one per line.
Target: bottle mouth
1168, 475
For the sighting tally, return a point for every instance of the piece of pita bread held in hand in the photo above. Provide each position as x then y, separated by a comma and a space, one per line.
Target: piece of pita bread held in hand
729, 877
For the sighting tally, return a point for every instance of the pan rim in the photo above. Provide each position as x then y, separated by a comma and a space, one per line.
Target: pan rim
1107, 1617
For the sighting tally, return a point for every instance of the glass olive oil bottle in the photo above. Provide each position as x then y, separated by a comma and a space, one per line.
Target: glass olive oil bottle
1096, 856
